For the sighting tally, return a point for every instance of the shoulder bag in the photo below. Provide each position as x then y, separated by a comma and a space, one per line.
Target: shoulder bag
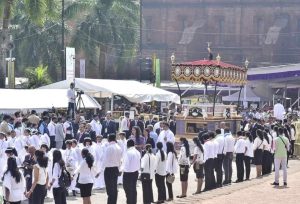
171, 177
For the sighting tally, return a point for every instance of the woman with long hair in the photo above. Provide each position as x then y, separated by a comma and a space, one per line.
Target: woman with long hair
258, 146
198, 163
248, 154
148, 139
171, 167
148, 167
59, 192
293, 139
86, 171
40, 178
160, 175
13, 183
138, 139
184, 164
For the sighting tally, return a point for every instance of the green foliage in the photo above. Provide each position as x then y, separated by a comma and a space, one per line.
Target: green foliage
37, 77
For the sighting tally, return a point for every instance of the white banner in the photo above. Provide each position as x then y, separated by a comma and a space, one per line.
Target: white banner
70, 63
82, 68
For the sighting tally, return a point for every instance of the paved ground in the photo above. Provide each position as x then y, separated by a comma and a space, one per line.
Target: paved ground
254, 191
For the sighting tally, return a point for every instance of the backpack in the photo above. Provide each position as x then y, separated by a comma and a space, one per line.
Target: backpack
64, 180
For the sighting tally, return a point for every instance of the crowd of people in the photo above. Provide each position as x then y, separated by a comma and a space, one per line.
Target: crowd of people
55, 154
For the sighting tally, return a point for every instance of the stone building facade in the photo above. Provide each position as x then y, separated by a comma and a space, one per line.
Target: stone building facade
267, 32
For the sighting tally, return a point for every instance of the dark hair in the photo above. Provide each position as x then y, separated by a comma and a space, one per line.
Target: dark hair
57, 158
186, 145
159, 146
74, 141
148, 148
286, 133
41, 159
170, 148
13, 169
218, 131
198, 143
248, 135
239, 133
130, 143
211, 135
111, 137
280, 131
88, 157
293, 127
148, 131
266, 137
18, 124
137, 131
17, 114
260, 134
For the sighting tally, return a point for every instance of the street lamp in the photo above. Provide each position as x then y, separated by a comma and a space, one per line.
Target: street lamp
247, 63
173, 58
218, 58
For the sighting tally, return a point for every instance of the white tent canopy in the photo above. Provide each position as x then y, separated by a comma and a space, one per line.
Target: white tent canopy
132, 90
246, 95
38, 99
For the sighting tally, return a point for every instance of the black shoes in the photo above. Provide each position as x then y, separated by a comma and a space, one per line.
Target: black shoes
284, 183
275, 184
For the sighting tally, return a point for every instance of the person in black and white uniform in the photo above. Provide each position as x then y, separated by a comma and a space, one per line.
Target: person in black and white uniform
209, 155
160, 173
220, 157
248, 154
198, 163
240, 149
258, 146
171, 167
184, 164
59, 193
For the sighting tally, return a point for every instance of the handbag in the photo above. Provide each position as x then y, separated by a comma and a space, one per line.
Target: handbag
146, 176
171, 177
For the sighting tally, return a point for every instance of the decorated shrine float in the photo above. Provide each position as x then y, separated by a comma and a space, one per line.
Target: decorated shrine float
209, 114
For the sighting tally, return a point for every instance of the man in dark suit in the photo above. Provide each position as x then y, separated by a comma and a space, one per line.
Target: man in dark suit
81, 134
136, 122
108, 126
151, 121
91, 133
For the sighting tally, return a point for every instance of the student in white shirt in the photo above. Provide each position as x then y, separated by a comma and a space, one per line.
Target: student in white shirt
228, 151
130, 168
267, 156
198, 163
248, 154
171, 167
220, 157
209, 155
160, 175
258, 146
293, 139
59, 192
99, 149
86, 174
184, 164
148, 167
52, 133
40, 178
71, 99
3, 158
13, 183
111, 163
240, 149
125, 124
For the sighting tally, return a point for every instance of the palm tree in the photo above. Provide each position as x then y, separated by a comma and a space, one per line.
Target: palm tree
37, 77
110, 28
36, 10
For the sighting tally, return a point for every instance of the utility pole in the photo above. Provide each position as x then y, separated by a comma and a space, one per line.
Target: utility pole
141, 38
63, 61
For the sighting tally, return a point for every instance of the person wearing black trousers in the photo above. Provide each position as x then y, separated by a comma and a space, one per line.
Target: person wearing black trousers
220, 157
160, 173
171, 168
209, 155
240, 149
248, 154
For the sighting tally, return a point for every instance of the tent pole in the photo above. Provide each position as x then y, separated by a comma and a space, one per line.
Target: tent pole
215, 95
178, 89
112, 103
238, 106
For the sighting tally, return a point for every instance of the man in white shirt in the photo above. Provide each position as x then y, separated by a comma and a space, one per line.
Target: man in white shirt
228, 151
96, 125
209, 155
220, 156
278, 111
130, 168
240, 149
51, 129
166, 135
111, 163
71, 99
125, 125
